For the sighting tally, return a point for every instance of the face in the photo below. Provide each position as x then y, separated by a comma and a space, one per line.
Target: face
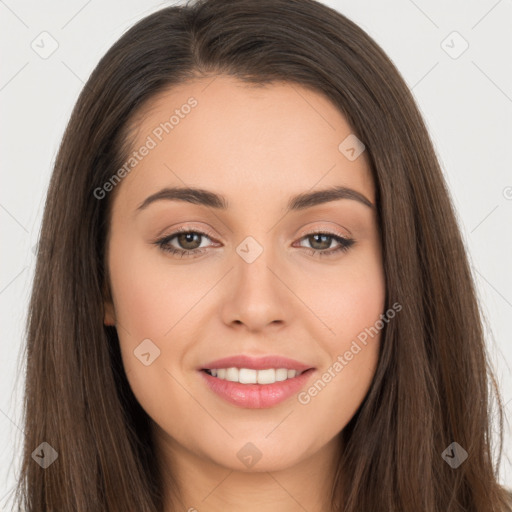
252, 272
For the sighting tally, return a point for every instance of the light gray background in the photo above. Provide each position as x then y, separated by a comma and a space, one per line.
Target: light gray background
466, 102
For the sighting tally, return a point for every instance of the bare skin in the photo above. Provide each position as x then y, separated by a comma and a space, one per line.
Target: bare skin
257, 146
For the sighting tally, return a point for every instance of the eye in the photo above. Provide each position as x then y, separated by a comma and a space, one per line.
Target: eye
189, 243
323, 241
187, 238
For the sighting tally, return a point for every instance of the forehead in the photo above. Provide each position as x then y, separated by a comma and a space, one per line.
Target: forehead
243, 140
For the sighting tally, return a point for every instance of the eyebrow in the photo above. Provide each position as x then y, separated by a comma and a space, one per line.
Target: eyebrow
296, 203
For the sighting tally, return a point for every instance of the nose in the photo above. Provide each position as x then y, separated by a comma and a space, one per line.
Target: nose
257, 296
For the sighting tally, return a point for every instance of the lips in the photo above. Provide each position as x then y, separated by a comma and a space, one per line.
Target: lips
256, 396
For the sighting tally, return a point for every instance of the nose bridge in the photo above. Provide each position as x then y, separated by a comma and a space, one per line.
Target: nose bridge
255, 258
257, 298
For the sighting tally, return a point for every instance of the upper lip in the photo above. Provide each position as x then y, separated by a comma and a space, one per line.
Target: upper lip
256, 363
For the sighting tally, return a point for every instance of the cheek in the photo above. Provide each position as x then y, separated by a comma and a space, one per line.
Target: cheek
151, 296
148, 294
350, 305
348, 299
332, 399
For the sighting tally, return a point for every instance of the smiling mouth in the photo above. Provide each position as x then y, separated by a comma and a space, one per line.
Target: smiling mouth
251, 376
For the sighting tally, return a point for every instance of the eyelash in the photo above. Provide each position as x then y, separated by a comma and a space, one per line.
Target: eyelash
163, 243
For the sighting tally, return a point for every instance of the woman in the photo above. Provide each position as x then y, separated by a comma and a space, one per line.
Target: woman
253, 372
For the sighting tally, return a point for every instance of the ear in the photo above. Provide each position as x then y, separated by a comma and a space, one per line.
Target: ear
110, 317
108, 306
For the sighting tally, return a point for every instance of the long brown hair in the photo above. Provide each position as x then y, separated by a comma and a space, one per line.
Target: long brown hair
433, 385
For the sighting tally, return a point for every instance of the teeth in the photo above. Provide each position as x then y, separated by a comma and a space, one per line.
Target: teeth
246, 376
249, 376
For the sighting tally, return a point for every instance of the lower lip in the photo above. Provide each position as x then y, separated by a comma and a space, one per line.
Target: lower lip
256, 396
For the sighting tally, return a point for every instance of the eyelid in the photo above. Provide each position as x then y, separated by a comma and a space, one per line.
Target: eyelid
186, 228
331, 230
